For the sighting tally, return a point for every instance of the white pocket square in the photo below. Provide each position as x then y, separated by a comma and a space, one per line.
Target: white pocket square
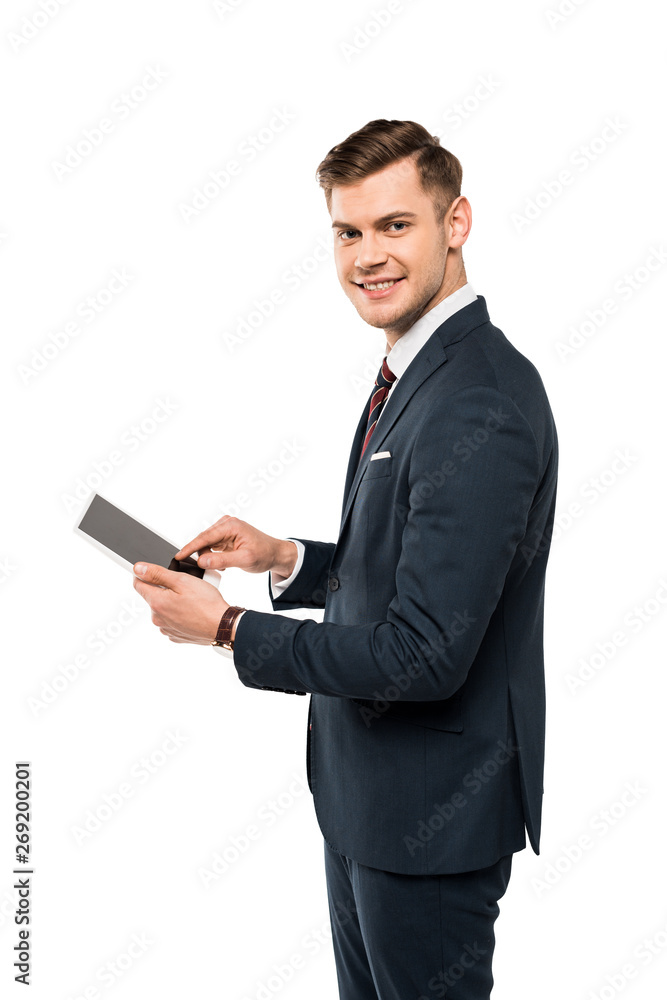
380, 454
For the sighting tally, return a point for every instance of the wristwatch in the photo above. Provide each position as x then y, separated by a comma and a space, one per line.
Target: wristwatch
224, 636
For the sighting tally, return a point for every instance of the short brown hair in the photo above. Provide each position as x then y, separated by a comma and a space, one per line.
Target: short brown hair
382, 142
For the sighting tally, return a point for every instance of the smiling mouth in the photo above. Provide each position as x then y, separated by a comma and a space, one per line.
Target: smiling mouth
372, 286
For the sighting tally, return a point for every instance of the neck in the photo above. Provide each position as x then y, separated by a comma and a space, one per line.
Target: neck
450, 284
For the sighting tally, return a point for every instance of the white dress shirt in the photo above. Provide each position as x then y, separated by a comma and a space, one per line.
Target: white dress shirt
399, 357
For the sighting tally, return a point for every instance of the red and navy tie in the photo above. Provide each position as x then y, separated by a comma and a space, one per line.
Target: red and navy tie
385, 379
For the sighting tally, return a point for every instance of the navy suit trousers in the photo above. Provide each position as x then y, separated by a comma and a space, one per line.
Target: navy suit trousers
413, 937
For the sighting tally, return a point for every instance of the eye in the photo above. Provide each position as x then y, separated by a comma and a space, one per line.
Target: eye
341, 235
404, 224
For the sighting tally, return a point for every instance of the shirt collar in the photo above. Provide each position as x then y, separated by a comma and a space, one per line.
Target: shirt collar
412, 341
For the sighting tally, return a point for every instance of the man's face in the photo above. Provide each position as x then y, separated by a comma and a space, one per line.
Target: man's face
385, 229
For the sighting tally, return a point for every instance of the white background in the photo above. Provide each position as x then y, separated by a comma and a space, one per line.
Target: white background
534, 92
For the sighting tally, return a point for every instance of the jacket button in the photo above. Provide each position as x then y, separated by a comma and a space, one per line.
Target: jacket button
334, 583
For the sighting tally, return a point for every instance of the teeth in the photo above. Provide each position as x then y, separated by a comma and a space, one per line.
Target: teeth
385, 284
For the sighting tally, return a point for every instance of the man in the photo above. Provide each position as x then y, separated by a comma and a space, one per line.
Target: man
426, 718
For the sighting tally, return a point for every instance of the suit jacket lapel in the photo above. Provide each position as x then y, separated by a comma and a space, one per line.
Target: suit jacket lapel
353, 461
430, 357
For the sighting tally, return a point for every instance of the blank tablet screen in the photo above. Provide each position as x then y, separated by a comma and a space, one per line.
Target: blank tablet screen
131, 540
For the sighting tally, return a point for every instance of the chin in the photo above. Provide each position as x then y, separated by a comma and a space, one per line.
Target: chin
379, 322
385, 320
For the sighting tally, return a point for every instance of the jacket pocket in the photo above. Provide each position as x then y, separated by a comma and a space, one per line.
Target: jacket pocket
376, 469
446, 715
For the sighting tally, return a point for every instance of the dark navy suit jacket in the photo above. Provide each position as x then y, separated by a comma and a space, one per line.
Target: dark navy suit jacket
426, 722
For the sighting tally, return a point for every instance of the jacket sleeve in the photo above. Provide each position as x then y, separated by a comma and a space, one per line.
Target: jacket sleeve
474, 472
309, 587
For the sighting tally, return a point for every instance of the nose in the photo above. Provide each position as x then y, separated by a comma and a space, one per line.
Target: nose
370, 253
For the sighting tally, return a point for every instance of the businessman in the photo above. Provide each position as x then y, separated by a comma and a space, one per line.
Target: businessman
425, 739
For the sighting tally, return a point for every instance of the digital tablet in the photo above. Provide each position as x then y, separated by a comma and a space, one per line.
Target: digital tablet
128, 541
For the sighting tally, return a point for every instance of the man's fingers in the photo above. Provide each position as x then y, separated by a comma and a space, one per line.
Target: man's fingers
187, 550
205, 556
208, 557
157, 576
213, 560
201, 543
145, 590
219, 534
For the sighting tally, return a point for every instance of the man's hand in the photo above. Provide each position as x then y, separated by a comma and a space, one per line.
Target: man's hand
187, 609
233, 542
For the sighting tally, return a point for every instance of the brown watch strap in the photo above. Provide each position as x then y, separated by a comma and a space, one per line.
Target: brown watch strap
224, 635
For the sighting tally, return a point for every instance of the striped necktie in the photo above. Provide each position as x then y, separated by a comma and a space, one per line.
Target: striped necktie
385, 379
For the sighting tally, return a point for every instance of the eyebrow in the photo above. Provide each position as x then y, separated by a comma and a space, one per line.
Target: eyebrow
378, 222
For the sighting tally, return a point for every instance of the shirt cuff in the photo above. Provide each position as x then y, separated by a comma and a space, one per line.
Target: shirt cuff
229, 653
280, 583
